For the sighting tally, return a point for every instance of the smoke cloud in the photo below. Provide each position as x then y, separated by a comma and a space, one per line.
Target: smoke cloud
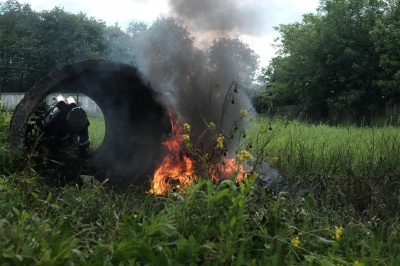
197, 82
223, 16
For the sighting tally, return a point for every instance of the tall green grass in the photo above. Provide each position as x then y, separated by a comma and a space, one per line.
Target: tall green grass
298, 148
361, 163
224, 223
209, 224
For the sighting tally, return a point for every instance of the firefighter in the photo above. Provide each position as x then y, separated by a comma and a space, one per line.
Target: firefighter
67, 124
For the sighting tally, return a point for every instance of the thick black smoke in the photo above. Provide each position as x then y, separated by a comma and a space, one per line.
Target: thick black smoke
195, 82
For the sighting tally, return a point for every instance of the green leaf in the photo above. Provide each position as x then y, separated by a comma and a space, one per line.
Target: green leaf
8, 253
232, 221
49, 196
326, 241
310, 258
33, 194
27, 251
192, 240
19, 257
16, 211
79, 254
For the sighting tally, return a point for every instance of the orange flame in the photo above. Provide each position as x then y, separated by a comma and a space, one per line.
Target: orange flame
175, 167
178, 169
230, 167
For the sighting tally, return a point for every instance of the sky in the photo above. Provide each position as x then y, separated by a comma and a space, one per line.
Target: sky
252, 21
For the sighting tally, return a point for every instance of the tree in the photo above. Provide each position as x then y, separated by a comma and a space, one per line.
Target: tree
136, 28
233, 59
386, 37
69, 38
119, 45
328, 63
37, 43
20, 47
166, 45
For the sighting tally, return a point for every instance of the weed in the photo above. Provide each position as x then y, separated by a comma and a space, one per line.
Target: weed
223, 223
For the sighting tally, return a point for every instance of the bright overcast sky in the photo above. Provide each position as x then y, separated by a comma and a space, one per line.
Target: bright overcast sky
124, 11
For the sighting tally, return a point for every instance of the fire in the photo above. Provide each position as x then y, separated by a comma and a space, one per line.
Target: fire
230, 167
178, 169
175, 167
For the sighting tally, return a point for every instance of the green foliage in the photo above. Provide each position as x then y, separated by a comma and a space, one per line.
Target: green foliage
73, 37
209, 224
224, 223
386, 36
341, 208
361, 162
117, 44
319, 149
4, 136
19, 47
4, 125
9, 162
339, 62
234, 53
39, 42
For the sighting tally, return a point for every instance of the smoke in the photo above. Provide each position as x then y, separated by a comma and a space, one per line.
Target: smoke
223, 16
196, 82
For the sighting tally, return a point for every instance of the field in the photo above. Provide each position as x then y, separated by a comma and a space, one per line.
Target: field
97, 131
341, 208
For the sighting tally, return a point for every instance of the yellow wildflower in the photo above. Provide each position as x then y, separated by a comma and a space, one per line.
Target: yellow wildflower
338, 232
220, 141
357, 263
295, 241
244, 112
186, 137
244, 155
186, 127
211, 125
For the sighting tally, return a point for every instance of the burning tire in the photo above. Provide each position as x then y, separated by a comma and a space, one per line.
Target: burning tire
135, 119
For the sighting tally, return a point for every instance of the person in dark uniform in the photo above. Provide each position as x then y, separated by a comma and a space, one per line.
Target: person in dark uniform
67, 122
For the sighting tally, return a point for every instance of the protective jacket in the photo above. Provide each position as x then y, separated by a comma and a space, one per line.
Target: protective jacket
66, 121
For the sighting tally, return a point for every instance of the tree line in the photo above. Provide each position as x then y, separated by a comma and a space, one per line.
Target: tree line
341, 62
33, 44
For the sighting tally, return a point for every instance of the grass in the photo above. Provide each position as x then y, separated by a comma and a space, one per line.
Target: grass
223, 223
322, 149
361, 163
97, 130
